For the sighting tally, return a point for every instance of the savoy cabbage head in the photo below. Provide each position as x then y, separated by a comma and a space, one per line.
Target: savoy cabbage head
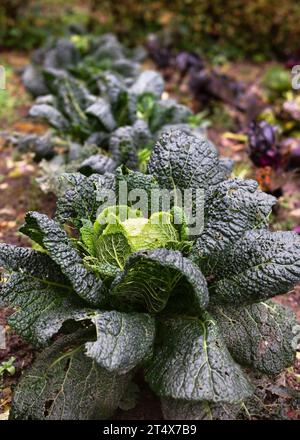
106, 298
81, 55
120, 122
72, 109
101, 113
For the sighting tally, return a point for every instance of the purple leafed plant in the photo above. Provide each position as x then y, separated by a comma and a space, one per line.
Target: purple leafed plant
263, 145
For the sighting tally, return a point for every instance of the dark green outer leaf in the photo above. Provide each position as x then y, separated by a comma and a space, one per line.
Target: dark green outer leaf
64, 384
108, 46
102, 111
50, 114
126, 67
175, 409
111, 86
97, 163
183, 161
41, 307
192, 363
184, 127
227, 164
231, 208
71, 180
150, 277
72, 100
124, 110
59, 247
124, 340
142, 134
148, 81
168, 112
29, 261
66, 53
81, 200
134, 180
33, 81
259, 335
122, 147
260, 265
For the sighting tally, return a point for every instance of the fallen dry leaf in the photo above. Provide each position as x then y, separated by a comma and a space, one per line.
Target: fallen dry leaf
7, 211
5, 415
295, 213
30, 127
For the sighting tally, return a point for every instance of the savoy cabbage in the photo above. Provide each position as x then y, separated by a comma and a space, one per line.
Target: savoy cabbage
120, 121
97, 133
104, 299
82, 56
103, 109
73, 110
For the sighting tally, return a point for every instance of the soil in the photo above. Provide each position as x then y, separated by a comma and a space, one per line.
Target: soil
18, 194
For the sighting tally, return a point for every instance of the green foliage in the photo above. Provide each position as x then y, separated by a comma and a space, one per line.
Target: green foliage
277, 81
10, 99
60, 375
138, 296
102, 118
255, 28
193, 24
25, 24
7, 367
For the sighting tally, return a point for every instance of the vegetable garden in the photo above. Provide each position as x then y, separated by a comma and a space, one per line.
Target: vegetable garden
149, 216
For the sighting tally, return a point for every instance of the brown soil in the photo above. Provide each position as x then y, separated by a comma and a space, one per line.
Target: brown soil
18, 194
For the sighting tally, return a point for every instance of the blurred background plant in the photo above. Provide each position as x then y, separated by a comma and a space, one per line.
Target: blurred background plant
25, 24
221, 31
